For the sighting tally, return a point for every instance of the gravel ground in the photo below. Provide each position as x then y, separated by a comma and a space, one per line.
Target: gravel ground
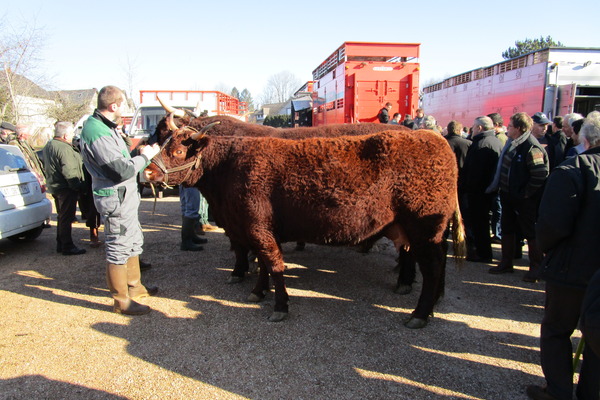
344, 338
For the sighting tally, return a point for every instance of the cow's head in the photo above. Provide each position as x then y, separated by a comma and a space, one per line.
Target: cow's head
174, 119
179, 159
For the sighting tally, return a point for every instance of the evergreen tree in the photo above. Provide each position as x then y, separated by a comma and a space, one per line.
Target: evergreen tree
247, 97
278, 121
529, 45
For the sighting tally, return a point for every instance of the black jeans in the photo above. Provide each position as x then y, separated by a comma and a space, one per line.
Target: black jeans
561, 314
480, 205
65, 201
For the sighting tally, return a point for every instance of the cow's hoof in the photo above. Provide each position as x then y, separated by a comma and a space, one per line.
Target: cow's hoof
235, 279
403, 289
254, 298
415, 323
278, 316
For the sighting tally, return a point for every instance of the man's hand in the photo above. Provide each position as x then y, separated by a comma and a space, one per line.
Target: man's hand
150, 151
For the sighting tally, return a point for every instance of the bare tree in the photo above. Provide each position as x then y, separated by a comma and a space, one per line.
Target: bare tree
130, 67
62, 109
19, 48
222, 87
280, 88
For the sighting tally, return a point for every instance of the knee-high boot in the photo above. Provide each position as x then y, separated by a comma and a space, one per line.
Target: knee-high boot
508, 254
189, 239
134, 280
116, 279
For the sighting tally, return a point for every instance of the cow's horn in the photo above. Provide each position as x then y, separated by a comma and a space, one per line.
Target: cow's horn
170, 110
170, 123
202, 132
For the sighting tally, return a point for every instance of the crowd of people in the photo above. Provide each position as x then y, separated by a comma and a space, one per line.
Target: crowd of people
538, 181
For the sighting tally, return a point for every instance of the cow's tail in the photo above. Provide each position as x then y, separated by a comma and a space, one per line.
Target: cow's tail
458, 236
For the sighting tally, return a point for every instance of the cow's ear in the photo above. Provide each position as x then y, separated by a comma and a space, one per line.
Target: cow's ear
202, 142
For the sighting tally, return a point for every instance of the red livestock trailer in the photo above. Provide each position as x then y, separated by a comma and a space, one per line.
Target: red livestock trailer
359, 78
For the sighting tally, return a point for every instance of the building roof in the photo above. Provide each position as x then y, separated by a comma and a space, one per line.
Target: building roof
82, 96
19, 81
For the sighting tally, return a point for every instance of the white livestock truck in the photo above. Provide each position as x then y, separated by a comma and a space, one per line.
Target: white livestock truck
555, 80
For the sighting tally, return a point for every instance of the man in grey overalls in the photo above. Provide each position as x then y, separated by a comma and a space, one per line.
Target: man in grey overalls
117, 199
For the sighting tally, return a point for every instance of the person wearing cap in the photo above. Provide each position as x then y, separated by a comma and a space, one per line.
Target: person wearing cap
21, 141
540, 124
523, 172
553, 145
7, 132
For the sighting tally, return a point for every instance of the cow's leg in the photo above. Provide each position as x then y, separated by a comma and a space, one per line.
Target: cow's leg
407, 267
262, 284
431, 261
241, 263
271, 260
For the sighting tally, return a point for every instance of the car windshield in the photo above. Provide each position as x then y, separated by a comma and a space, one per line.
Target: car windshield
11, 161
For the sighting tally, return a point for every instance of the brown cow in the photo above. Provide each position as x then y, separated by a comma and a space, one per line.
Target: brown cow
228, 126
326, 191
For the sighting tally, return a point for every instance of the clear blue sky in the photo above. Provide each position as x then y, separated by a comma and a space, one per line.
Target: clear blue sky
206, 45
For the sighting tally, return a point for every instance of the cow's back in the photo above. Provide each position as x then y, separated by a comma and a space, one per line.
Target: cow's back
341, 190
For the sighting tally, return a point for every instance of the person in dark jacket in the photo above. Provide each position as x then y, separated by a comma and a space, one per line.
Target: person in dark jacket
419, 119
523, 172
460, 146
478, 173
384, 113
568, 233
64, 179
590, 314
557, 142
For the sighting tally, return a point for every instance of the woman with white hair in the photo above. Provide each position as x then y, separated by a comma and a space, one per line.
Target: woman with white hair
568, 233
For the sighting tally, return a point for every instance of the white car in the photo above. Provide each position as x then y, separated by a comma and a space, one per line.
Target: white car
23, 204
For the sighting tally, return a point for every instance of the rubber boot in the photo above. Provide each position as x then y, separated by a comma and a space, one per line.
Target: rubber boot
508, 254
116, 279
535, 261
134, 280
187, 235
195, 236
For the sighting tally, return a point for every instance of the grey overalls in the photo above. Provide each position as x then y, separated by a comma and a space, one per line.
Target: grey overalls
114, 185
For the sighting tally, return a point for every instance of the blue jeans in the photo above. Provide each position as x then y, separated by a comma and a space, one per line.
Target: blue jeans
190, 201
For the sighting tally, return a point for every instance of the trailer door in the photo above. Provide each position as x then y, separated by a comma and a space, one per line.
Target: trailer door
566, 98
372, 96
